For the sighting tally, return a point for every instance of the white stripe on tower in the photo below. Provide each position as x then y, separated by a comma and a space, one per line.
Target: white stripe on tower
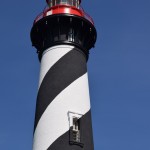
50, 57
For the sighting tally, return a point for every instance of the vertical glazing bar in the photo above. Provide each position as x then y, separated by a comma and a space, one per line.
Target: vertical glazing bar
78, 3
51, 4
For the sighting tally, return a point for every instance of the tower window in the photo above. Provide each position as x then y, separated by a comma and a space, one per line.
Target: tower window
75, 129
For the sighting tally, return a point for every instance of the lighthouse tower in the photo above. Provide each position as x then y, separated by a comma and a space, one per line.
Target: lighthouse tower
63, 34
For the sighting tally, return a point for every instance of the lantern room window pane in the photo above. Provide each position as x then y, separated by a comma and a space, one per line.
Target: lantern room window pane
58, 2
69, 2
63, 2
52, 3
76, 3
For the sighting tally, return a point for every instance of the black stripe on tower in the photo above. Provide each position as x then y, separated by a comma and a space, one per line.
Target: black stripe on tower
65, 71
62, 143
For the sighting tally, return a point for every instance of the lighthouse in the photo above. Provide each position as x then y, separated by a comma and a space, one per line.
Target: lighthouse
63, 34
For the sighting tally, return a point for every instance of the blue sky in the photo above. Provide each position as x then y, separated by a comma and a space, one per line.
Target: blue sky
119, 74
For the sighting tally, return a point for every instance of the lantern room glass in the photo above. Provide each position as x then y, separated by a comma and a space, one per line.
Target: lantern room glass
52, 3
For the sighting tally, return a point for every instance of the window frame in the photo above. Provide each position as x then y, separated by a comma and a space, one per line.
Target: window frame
71, 117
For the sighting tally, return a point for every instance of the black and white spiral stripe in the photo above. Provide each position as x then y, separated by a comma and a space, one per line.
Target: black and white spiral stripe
63, 87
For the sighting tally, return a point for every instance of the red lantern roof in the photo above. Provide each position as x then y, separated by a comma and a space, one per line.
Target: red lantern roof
63, 9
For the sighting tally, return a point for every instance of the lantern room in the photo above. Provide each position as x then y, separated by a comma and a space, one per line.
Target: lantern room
74, 3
